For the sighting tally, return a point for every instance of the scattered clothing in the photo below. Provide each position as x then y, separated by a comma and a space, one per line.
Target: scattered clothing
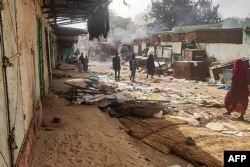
225, 87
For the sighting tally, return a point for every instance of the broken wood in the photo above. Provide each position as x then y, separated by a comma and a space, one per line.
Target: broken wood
216, 70
147, 100
138, 108
88, 91
75, 86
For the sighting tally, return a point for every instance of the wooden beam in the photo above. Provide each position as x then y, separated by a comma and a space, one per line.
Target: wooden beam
81, 5
67, 20
54, 15
66, 10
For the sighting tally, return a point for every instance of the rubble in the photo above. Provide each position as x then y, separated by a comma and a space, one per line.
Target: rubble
96, 88
146, 111
215, 71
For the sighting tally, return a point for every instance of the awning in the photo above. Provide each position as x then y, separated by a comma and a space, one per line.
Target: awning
60, 13
65, 12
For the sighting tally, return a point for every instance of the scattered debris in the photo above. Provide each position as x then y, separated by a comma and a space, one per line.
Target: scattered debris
56, 120
215, 71
191, 121
139, 99
189, 141
48, 129
215, 126
158, 115
136, 101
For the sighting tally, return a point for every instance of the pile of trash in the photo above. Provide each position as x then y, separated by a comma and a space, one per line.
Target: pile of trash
128, 96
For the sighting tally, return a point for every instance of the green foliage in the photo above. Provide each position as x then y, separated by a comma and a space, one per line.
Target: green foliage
172, 13
207, 13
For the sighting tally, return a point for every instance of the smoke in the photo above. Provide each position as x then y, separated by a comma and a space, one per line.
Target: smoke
134, 31
94, 44
233, 23
140, 19
126, 36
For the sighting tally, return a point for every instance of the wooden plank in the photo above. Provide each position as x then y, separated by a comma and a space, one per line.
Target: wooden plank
139, 108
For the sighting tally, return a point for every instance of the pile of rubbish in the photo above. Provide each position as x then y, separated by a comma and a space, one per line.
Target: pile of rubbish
140, 99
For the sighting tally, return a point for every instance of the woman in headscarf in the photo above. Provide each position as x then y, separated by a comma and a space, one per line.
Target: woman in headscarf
150, 66
237, 97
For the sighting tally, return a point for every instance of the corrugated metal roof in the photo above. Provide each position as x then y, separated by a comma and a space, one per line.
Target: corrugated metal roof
65, 12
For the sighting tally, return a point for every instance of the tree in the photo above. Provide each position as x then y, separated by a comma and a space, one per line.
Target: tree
183, 12
206, 12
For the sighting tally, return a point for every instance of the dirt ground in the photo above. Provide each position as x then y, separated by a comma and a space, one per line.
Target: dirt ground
83, 136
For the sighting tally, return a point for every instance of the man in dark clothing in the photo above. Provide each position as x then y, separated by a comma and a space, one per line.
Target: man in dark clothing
117, 66
86, 64
150, 66
133, 66
81, 58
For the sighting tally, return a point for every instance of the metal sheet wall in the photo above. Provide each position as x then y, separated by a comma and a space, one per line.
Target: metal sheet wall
4, 150
13, 74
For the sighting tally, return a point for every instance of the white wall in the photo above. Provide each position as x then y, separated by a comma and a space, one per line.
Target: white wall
143, 46
136, 49
228, 52
177, 47
159, 50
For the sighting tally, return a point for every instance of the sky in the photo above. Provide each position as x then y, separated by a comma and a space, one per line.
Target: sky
136, 9
228, 8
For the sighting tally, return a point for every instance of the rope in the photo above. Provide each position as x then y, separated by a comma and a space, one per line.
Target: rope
12, 58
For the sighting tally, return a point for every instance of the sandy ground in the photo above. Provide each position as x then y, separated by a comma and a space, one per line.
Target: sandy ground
83, 136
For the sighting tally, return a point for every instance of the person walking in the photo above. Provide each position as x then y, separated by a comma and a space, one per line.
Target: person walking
150, 66
237, 97
117, 66
133, 66
81, 58
86, 64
